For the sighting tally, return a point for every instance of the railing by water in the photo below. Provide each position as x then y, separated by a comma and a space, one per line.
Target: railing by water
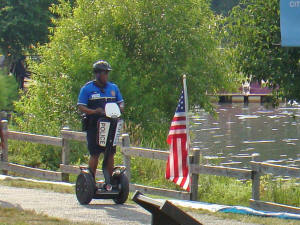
128, 151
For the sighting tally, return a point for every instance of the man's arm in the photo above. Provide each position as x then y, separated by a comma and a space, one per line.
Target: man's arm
121, 105
119, 99
88, 111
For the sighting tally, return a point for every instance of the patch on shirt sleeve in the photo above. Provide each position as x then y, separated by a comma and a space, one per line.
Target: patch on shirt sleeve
113, 93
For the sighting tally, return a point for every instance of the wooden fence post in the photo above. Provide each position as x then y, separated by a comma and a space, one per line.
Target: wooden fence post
4, 156
255, 185
195, 176
126, 158
65, 153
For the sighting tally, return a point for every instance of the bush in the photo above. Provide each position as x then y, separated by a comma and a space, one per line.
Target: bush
8, 91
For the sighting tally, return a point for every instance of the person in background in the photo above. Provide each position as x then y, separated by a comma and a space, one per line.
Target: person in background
1, 138
19, 70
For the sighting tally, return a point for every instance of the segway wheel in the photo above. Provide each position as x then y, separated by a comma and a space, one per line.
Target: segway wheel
124, 189
85, 188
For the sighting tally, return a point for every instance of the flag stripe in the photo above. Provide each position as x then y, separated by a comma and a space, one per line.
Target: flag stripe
172, 162
184, 159
178, 131
179, 118
175, 158
179, 157
179, 122
183, 114
177, 127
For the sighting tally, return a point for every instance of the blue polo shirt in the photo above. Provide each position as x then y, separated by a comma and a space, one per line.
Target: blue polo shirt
93, 96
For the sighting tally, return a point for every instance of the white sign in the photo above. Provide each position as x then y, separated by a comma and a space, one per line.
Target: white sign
118, 132
103, 129
289, 23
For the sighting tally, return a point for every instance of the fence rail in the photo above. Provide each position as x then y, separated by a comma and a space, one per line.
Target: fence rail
29, 171
222, 171
35, 138
128, 151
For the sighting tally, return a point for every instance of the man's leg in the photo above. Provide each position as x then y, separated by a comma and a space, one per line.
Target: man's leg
107, 167
110, 163
93, 163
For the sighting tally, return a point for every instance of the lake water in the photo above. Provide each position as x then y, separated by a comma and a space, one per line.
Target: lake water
242, 133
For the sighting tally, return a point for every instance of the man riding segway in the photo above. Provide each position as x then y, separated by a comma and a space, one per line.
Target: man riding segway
92, 100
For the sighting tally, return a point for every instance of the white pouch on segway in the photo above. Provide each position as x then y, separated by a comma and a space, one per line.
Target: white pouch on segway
112, 110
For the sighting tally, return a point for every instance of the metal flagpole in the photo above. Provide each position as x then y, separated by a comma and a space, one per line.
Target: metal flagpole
186, 105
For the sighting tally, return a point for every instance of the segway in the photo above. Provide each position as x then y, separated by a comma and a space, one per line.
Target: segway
109, 129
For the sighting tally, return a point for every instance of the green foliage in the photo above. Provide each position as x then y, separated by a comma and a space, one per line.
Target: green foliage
149, 44
151, 173
8, 91
253, 31
224, 6
23, 23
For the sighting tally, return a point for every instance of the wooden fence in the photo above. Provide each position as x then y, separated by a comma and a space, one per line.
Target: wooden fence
129, 151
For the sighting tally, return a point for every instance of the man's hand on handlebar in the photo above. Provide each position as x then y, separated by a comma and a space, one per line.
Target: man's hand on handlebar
100, 111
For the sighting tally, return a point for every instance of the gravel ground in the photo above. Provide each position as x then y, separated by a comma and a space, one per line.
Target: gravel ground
103, 211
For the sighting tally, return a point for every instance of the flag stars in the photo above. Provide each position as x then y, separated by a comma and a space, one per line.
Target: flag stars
181, 106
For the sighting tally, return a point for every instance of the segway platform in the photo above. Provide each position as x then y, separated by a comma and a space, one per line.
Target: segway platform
87, 189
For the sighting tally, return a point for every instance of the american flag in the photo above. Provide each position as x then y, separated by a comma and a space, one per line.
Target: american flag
177, 169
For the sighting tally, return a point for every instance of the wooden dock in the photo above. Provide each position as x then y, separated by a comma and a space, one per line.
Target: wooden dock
241, 98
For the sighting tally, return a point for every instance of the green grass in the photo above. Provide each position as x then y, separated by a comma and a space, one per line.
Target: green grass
280, 191
224, 190
13, 216
230, 191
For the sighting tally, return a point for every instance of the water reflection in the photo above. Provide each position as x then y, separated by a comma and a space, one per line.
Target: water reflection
244, 133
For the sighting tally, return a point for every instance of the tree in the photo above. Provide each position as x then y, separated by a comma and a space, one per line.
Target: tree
223, 6
150, 44
23, 23
253, 31
8, 91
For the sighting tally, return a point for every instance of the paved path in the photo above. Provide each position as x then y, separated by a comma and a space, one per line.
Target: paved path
102, 211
